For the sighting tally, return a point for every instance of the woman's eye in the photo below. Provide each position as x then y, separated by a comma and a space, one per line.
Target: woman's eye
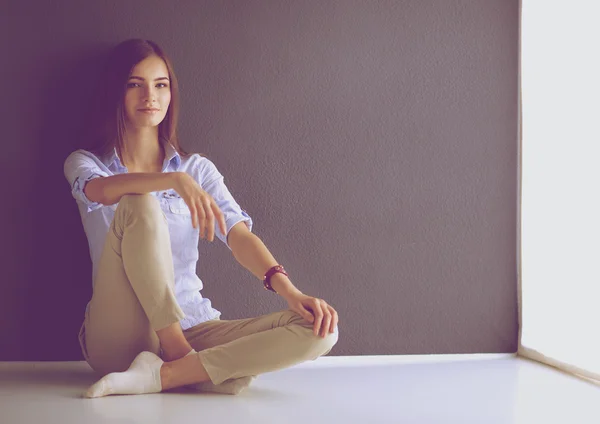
131, 84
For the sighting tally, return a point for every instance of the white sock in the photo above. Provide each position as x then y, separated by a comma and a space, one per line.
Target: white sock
232, 386
142, 376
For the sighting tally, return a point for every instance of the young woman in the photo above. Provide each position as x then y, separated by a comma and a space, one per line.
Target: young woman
144, 202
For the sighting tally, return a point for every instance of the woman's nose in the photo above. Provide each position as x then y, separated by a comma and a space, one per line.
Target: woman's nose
150, 95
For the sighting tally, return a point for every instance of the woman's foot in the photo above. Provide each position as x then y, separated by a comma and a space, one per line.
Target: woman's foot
142, 376
145, 375
230, 387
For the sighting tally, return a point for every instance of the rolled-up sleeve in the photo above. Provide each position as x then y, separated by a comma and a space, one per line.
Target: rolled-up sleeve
215, 186
79, 169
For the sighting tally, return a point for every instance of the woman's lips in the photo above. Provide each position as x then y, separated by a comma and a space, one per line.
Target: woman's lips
149, 111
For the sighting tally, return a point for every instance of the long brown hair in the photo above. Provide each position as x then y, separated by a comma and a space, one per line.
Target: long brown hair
104, 126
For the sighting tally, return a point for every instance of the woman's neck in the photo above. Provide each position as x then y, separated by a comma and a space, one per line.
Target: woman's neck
143, 157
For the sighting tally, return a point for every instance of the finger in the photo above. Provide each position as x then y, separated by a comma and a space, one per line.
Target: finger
326, 321
194, 216
201, 218
306, 313
210, 219
326, 317
318, 313
334, 319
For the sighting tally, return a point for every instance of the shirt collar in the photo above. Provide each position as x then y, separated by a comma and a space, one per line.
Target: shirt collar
171, 155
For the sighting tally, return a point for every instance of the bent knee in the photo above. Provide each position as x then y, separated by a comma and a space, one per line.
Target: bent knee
145, 200
330, 340
140, 204
322, 345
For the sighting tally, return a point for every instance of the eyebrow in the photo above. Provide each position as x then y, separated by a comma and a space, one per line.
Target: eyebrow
140, 78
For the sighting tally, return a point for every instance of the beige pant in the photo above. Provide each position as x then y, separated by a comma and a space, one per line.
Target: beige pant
133, 297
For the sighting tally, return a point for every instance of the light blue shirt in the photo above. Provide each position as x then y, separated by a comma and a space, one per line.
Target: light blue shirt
82, 166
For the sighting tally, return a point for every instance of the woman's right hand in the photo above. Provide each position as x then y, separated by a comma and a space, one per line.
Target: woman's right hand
203, 207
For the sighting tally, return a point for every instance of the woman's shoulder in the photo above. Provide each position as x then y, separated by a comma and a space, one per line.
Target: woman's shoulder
201, 168
199, 162
82, 155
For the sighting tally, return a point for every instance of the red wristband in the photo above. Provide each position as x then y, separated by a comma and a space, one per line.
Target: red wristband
267, 278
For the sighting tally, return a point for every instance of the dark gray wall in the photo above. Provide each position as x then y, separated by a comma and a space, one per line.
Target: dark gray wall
374, 143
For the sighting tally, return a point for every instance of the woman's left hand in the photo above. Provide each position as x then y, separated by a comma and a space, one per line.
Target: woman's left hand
315, 310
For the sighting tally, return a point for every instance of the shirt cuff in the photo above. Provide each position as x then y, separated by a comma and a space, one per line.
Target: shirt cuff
79, 185
230, 224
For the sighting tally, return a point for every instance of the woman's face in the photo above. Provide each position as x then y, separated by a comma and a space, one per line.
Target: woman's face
148, 86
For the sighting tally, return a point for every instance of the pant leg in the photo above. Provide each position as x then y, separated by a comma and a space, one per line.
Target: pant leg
133, 291
247, 347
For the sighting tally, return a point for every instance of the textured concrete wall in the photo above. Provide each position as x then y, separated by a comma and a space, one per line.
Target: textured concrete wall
374, 144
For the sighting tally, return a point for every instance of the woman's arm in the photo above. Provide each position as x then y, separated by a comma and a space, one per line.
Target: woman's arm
109, 190
252, 254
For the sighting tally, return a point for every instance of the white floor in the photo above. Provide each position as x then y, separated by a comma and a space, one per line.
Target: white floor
486, 389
